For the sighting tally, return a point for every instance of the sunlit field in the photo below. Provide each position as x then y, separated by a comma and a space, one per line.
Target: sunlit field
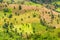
29, 20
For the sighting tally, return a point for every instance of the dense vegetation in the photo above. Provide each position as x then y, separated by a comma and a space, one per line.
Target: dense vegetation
49, 4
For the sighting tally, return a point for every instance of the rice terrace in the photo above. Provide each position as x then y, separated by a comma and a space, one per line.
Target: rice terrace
29, 19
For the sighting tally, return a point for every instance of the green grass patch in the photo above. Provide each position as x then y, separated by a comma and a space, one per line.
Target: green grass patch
32, 4
58, 9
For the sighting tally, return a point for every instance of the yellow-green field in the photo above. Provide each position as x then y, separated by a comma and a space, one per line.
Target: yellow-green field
28, 21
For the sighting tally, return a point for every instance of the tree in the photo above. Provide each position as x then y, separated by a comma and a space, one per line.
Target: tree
15, 30
57, 21
15, 19
5, 25
20, 7
43, 22
34, 15
11, 25
52, 16
19, 28
17, 14
4, 20
58, 15
4, 14
6, 10
58, 34
5, 5
10, 16
1, 1
28, 16
21, 19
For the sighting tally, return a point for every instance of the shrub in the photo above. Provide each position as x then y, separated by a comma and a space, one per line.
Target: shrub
17, 14
4, 14
4, 20
19, 28
58, 15
15, 19
33, 30
6, 10
20, 7
21, 19
5, 5
10, 16
5, 25
48, 12
1, 1
58, 34
57, 21
43, 22
15, 30
28, 16
34, 15
11, 25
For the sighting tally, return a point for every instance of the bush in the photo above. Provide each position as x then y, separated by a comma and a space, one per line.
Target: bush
4, 14
11, 25
21, 19
10, 16
1, 1
52, 16
58, 15
28, 16
17, 14
34, 15
58, 34
7, 10
20, 7
5, 25
43, 22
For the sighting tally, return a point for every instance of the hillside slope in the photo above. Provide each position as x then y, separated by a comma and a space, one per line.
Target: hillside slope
28, 21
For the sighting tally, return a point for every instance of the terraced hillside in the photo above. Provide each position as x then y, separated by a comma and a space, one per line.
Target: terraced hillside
28, 21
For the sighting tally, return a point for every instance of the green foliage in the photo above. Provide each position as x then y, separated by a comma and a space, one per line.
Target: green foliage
20, 7
28, 31
58, 34
5, 25
10, 16
34, 15
28, 16
7, 10
57, 6
11, 25
21, 19
39, 34
42, 1
1, 1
